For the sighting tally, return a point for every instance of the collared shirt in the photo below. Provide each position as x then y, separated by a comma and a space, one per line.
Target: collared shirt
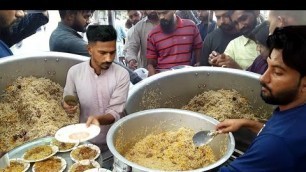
98, 94
137, 43
66, 39
176, 48
242, 50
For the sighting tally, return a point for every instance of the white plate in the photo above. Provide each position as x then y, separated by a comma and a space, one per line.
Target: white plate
63, 164
26, 165
54, 151
63, 150
86, 145
84, 162
76, 133
98, 170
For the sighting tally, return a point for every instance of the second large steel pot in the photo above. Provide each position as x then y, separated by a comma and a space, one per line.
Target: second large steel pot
173, 89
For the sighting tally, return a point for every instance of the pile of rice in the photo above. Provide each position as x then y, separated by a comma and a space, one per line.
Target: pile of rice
31, 108
223, 104
171, 150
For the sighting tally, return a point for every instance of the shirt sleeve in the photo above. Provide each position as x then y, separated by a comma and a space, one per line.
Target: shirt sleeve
267, 153
133, 45
205, 51
118, 99
229, 50
70, 88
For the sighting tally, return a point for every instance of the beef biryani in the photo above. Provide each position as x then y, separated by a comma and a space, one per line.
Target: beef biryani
30, 108
171, 151
222, 104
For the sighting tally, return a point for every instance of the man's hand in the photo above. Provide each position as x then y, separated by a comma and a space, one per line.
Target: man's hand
229, 125
92, 120
232, 125
197, 64
222, 60
68, 108
133, 64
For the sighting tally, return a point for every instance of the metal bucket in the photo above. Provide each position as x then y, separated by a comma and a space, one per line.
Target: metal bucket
132, 128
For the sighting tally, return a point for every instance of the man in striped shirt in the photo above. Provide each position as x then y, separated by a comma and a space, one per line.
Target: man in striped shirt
172, 43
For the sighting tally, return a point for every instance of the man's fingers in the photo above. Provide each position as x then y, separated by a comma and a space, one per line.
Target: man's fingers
89, 121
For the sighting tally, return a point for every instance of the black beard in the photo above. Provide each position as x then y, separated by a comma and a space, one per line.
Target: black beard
78, 27
282, 98
249, 33
167, 26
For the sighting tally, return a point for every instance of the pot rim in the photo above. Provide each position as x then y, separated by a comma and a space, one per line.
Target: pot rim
195, 70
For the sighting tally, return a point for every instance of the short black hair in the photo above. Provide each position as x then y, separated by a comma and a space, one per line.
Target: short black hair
292, 40
103, 33
64, 13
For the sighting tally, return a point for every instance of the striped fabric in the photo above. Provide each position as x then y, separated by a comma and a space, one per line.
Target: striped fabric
176, 48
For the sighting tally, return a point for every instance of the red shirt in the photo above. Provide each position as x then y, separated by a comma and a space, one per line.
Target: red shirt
175, 48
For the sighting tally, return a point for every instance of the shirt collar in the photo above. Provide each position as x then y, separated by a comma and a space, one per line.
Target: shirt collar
92, 70
246, 40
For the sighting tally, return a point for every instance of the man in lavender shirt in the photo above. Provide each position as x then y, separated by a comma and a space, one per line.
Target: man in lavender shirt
100, 85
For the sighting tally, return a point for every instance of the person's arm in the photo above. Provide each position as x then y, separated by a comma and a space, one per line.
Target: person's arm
152, 63
26, 27
268, 152
69, 89
206, 50
232, 125
197, 54
133, 47
227, 58
197, 47
223, 60
100, 120
151, 56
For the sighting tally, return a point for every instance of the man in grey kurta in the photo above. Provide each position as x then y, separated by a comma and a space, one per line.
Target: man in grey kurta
100, 85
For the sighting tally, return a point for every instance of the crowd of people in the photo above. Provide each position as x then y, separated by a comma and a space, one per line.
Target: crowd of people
159, 40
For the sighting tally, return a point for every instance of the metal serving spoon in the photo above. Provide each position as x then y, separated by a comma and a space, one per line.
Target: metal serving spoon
202, 138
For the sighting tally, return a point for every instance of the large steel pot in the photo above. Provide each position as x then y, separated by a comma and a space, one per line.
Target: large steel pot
132, 128
52, 65
173, 89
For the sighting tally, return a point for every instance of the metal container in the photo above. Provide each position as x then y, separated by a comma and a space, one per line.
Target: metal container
52, 65
173, 89
132, 128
